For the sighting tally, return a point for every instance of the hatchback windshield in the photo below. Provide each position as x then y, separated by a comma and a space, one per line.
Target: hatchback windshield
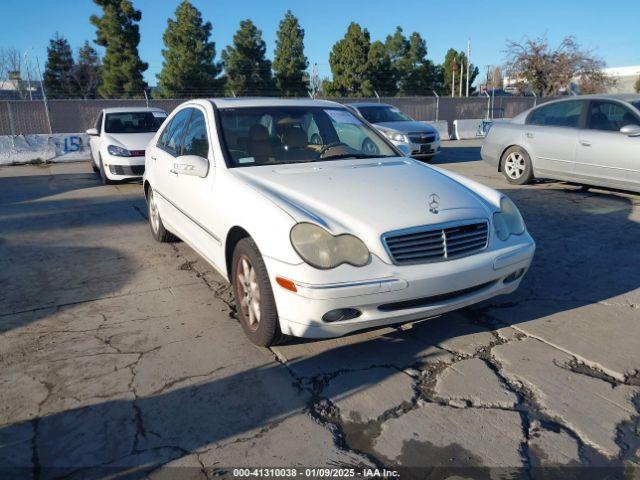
277, 135
636, 104
134, 122
383, 114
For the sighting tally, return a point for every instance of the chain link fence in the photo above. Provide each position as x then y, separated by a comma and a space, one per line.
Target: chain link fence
74, 116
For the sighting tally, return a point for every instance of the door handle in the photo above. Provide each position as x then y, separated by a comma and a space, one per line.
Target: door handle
153, 158
529, 135
584, 143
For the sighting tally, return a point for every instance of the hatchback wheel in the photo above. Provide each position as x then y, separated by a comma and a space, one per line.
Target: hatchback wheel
516, 166
255, 304
103, 176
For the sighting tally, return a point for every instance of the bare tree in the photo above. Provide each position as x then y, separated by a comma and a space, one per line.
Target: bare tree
11, 66
496, 80
547, 71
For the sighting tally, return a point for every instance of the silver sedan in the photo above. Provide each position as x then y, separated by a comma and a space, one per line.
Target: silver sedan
592, 139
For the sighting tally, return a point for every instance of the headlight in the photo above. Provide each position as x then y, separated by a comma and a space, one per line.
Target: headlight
118, 151
508, 220
398, 137
322, 250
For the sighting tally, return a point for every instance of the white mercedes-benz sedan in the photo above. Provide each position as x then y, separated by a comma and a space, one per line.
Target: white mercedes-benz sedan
119, 139
318, 237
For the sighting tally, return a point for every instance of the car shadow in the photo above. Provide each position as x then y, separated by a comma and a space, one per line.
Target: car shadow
456, 154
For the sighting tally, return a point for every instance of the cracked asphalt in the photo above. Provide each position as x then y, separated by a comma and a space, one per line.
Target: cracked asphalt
120, 356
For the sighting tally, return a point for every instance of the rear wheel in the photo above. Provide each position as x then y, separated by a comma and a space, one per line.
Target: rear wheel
254, 298
160, 233
516, 166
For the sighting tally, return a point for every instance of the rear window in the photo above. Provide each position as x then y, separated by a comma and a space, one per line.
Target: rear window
134, 122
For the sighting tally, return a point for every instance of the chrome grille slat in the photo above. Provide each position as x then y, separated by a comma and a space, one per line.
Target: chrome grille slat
436, 243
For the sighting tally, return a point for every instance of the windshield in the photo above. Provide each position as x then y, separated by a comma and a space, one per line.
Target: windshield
277, 135
134, 122
383, 114
636, 104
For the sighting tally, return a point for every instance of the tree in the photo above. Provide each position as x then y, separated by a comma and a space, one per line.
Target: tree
535, 65
11, 66
248, 70
382, 74
289, 62
87, 72
455, 60
118, 31
58, 71
189, 67
496, 80
349, 64
637, 85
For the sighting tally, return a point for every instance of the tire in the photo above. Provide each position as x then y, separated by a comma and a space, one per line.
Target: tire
103, 175
93, 166
516, 166
249, 279
369, 147
158, 231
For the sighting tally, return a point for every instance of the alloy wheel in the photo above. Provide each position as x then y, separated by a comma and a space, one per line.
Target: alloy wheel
248, 293
515, 165
154, 216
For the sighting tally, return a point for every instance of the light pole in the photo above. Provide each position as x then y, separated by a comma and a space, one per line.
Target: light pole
26, 63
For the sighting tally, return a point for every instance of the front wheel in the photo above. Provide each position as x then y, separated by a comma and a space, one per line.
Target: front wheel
103, 175
254, 298
516, 166
158, 231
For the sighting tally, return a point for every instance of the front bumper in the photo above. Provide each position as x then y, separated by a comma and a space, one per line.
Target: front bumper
387, 294
123, 168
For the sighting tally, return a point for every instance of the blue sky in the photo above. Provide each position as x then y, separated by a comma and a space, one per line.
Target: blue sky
612, 33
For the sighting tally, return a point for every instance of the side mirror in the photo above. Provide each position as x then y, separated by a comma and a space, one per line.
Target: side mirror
93, 132
404, 149
192, 165
631, 130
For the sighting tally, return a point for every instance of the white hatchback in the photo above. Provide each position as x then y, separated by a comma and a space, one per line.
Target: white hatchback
119, 140
319, 237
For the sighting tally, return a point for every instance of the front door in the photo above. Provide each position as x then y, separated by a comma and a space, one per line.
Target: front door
606, 156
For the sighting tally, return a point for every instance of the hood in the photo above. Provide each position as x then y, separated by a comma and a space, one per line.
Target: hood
130, 141
407, 127
365, 197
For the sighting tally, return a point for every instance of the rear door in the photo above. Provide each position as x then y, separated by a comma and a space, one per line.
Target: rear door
165, 183
551, 135
606, 156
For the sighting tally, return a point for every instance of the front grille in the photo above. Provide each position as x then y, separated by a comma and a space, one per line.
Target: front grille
422, 137
436, 243
130, 170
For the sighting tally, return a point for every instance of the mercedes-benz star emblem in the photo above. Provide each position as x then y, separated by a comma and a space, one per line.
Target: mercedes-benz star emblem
434, 203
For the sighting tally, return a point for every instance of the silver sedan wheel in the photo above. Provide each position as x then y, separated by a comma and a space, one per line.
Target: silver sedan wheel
154, 216
515, 165
248, 292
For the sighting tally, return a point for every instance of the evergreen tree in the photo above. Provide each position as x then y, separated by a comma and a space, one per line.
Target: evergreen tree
416, 74
118, 31
457, 59
247, 69
58, 71
349, 64
382, 74
87, 71
189, 68
289, 62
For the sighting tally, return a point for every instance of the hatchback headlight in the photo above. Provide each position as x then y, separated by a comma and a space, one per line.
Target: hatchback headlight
118, 151
321, 249
398, 137
508, 221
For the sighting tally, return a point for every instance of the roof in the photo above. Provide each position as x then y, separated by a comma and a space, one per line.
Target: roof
368, 104
270, 102
622, 97
131, 109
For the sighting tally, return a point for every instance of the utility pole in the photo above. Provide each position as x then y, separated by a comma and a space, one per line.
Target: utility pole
454, 67
461, 75
26, 64
468, 63
44, 96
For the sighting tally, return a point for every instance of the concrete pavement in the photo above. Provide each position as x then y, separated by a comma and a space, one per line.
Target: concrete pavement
122, 355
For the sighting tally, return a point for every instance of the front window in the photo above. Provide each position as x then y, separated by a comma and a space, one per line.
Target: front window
609, 116
134, 122
383, 114
277, 135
